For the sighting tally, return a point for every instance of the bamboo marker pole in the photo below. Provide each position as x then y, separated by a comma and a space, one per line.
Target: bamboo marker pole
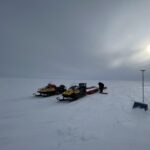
143, 84
141, 105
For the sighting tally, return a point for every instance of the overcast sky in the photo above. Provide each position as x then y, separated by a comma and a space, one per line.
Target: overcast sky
75, 39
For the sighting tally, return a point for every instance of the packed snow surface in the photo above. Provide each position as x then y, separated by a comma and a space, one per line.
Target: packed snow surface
94, 122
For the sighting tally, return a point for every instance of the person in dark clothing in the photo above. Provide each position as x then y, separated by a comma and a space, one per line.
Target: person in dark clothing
101, 87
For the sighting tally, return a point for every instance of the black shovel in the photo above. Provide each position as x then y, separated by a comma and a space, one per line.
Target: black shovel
141, 105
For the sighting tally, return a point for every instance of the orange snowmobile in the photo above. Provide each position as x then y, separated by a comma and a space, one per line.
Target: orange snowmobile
74, 93
49, 90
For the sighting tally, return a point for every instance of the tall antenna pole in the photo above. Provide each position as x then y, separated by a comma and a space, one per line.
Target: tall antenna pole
143, 84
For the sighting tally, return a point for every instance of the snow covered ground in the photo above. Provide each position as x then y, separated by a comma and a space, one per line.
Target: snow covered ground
94, 122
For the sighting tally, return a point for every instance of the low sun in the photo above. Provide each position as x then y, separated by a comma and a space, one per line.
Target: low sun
148, 49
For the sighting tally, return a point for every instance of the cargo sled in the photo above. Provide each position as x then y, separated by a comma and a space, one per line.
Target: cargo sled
49, 90
74, 92
94, 89
91, 90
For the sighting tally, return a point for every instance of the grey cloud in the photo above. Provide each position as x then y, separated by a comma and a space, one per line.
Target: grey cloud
72, 38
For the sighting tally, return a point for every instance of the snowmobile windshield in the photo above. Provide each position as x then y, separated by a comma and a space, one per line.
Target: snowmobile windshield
74, 87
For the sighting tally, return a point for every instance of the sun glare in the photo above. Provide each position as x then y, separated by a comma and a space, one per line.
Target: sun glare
148, 49
141, 56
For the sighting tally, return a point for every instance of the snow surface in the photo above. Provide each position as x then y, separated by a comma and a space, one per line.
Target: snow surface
94, 122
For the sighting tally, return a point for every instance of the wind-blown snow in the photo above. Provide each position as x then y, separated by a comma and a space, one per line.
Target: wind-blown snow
97, 122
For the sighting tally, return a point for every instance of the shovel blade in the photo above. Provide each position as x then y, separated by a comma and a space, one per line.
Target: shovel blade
140, 105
